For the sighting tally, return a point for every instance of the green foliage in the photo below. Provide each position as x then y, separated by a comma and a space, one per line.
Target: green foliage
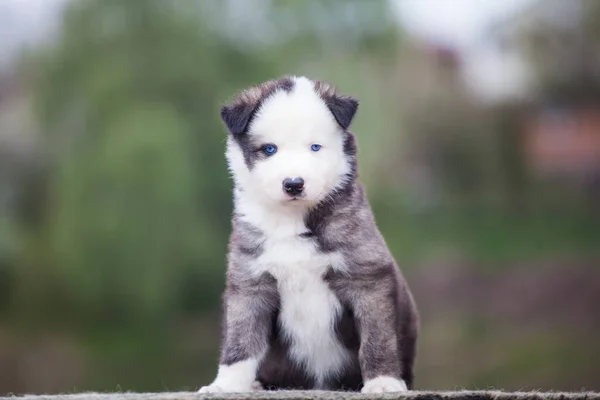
122, 212
562, 54
140, 197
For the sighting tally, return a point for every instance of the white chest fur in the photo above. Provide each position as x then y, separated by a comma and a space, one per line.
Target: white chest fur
309, 308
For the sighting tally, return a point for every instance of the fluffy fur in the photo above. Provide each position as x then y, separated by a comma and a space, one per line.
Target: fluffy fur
314, 299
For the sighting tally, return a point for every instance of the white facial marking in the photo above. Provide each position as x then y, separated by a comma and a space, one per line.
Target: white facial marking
238, 377
293, 122
384, 384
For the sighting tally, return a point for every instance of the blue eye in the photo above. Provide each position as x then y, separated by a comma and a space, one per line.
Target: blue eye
315, 147
270, 149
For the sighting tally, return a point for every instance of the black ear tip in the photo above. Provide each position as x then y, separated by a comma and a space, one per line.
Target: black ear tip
343, 109
351, 108
237, 116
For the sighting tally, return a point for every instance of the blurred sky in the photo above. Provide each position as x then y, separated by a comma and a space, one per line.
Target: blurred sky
456, 22
490, 73
461, 23
25, 21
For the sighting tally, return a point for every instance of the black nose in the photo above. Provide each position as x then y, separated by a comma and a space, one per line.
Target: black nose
293, 186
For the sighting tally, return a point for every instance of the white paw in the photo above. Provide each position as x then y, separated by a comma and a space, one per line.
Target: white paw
211, 389
235, 378
384, 384
223, 387
220, 388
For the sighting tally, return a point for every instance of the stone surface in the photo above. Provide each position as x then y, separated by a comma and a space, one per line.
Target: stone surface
322, 395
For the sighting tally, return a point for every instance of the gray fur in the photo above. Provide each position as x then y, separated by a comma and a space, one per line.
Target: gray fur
380, 321
250, 304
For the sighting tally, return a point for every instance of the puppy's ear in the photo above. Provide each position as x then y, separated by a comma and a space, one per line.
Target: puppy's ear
343, 109
237, 117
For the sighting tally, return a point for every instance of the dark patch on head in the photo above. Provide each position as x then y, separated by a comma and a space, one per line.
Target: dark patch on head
343, 108
238, 116
250, 149
286, 84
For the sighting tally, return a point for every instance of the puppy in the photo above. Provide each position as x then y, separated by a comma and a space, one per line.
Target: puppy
314, 299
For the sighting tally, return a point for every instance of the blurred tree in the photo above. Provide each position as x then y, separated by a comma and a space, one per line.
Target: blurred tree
562, 44
316, 25
448, 153
140, 200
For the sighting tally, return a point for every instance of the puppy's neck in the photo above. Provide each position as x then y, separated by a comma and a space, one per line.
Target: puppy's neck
278, 219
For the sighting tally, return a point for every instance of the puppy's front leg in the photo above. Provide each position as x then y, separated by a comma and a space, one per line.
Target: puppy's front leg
376, 318
249, 307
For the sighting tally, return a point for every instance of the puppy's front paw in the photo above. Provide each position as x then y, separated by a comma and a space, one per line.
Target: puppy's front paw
238, 377
212, 388
384, 384
223, 387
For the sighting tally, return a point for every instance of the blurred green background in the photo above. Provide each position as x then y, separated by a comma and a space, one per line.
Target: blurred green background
481, 161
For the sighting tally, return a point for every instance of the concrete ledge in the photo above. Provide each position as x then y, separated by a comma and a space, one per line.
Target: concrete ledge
321, 395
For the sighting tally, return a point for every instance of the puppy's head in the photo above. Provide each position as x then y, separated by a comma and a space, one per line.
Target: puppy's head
288, 141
